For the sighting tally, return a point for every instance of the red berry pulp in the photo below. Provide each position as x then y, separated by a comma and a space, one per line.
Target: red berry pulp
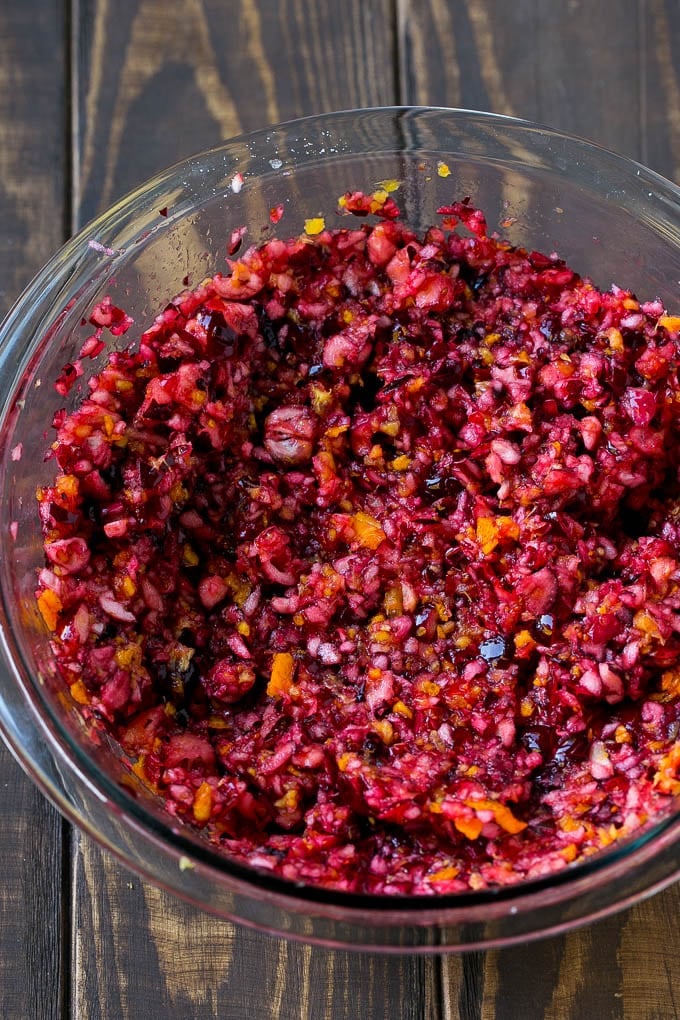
368, 553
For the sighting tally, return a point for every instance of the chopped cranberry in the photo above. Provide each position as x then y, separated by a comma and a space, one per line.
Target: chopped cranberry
368, 555
229, 681
289, 434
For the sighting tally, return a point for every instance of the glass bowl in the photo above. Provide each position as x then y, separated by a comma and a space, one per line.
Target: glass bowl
609, 217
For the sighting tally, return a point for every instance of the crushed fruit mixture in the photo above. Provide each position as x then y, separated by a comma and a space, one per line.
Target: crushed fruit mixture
368, 553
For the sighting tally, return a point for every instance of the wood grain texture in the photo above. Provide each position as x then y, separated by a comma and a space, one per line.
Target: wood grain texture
134, 944
30, 899
623, 968
543, 61
660, 80
157, 82
32, 173
32, 134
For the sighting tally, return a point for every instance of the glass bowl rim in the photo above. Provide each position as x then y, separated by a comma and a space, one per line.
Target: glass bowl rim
606, 863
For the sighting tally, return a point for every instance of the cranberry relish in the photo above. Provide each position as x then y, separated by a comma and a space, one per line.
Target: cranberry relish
369, 555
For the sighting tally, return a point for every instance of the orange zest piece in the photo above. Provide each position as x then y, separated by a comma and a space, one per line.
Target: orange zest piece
645, 622
666, 779
384, 729
470, 827
346, 759
67, 486
203, 802
79, 693
367, 530
502, 814
50, 606
444, 874
523, 639
314, 225
487, 534
281, 679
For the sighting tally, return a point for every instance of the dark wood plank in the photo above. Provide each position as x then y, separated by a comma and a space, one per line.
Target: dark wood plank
547, 62
157, 81
623, 968
543, 61
32, 136
32, 171
649, 959
31, 968
660, 86
135, 944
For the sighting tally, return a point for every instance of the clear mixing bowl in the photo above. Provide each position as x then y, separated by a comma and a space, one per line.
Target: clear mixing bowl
609, 217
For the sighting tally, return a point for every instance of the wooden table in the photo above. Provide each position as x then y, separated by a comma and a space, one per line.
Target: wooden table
95, 95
